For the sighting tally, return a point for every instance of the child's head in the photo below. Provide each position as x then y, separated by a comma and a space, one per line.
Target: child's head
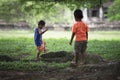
78, 14
41, 24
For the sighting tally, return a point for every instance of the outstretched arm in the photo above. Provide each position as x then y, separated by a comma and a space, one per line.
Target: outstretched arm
42, 32
72, 36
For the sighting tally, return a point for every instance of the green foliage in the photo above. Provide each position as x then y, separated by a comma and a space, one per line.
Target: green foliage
114, 11
10, 10
71, 3
50, 15
34, 10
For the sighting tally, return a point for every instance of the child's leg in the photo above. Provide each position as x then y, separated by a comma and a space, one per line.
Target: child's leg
38, 54
83, 49
82, 58
75, 63
44, 45
76, 56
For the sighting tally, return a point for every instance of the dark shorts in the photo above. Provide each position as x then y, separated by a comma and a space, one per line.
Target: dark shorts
80, 46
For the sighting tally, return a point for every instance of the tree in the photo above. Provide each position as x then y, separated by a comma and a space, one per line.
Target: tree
33, 10
114, 11
10, 10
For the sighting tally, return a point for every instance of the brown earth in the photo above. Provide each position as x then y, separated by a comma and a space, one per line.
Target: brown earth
94, 69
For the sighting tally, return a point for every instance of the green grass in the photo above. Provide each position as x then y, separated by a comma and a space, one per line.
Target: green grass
20, 46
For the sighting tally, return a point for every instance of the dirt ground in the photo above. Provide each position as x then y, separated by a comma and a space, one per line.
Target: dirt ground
94, 69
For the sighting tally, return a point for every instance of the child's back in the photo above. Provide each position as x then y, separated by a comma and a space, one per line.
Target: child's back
80, 29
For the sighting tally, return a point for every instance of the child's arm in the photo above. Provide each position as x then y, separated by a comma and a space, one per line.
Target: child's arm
72, 36
42, 32
87, 35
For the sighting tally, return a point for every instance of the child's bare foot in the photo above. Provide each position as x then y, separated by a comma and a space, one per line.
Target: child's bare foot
38, 58
82, 63
74, 64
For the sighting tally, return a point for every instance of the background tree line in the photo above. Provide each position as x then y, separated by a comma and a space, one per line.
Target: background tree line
52, 11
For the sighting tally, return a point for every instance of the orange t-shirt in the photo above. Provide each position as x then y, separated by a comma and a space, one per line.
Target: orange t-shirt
80, 29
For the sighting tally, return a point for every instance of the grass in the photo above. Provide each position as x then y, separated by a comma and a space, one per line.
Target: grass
19, 45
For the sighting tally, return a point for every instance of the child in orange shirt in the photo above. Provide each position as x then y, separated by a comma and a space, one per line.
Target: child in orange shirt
80, 31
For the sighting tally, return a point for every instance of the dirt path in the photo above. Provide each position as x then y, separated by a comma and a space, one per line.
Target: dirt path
104, 71
95, 69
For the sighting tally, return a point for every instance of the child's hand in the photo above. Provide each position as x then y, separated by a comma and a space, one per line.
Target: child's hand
46, 28
41, 32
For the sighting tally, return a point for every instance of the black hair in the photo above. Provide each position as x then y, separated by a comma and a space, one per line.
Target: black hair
78, 14
41, 22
